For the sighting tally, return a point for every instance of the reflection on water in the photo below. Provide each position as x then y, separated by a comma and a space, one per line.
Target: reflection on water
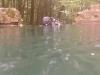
90, 31
9, 32
73, 50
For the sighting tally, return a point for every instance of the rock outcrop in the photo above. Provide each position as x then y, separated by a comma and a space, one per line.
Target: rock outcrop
91, 14
10, 16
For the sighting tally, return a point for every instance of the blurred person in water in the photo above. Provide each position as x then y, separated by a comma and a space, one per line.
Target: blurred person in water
51, 22
47, 20
55, 24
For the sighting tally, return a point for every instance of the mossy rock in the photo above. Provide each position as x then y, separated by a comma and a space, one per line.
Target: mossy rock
11, 13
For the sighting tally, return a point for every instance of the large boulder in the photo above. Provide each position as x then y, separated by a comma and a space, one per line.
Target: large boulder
10, 16
91, 14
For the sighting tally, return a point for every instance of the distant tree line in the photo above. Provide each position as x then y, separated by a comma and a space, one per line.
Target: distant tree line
32, 11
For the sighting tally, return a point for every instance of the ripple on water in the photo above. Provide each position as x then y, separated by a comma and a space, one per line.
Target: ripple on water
7, 66
59, 50
48, 38
46, 42
52, 62
67, 56
49, 49
97, 45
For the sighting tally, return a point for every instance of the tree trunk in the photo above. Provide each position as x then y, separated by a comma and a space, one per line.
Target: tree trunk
32, 13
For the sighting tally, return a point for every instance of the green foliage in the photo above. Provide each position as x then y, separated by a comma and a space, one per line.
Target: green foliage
73, 6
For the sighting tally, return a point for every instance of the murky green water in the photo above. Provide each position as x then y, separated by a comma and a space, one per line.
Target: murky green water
32, 51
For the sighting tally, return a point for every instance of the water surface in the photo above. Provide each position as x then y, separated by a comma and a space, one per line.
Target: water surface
74, 50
